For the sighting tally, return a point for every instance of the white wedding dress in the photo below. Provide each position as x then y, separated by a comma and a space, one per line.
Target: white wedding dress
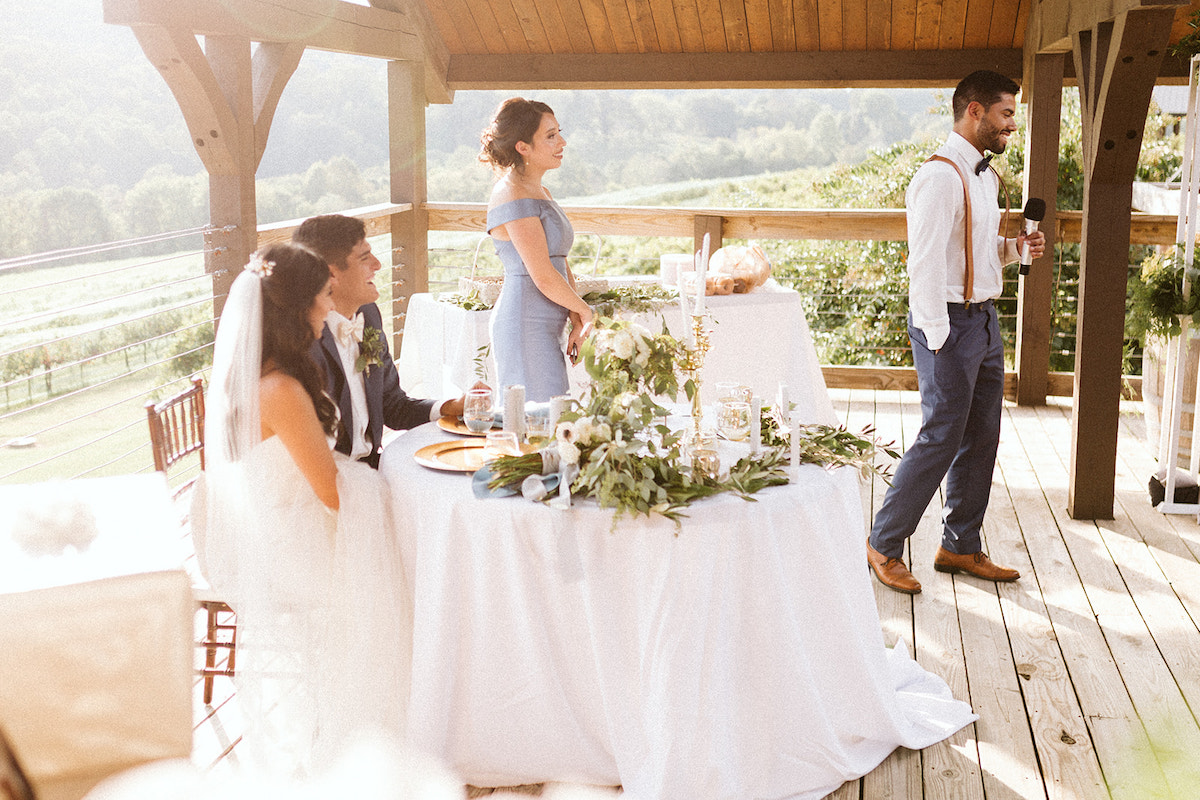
324, 617
324, 614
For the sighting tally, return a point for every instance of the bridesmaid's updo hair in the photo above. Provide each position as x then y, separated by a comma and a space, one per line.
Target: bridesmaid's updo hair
292, 277
516, 120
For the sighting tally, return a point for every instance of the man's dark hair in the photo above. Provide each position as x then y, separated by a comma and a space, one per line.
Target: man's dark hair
331, 236
984, 87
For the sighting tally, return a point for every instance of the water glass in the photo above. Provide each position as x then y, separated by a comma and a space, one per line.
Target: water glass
501, 443
733, 420
537, 430
732, 391
478, 415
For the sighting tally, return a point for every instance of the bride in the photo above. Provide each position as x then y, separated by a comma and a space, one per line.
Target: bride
298, 537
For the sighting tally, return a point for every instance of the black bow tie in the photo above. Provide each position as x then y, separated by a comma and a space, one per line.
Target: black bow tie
983, 163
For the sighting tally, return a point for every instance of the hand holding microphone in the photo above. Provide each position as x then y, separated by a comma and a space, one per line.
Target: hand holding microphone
1035, 212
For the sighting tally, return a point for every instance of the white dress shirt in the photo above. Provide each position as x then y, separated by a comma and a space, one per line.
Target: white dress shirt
348, 349
936, 258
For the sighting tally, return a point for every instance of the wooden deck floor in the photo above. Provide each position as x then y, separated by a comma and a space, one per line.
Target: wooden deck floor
1085, 673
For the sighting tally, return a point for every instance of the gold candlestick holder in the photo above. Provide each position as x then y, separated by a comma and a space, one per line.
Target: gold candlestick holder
693, 362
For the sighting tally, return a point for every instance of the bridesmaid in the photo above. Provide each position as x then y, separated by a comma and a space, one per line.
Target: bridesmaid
532, 237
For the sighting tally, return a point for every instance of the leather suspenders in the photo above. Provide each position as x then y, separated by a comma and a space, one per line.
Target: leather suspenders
969, 285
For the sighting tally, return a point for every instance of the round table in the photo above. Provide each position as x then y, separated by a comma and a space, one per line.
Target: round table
738, 655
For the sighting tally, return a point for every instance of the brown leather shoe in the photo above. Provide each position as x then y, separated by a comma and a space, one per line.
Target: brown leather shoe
977, 564
891, 572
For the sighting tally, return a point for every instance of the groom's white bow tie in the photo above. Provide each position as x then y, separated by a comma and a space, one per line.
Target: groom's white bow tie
349, 332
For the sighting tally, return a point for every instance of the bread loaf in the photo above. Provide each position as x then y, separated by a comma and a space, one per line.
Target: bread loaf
747, 265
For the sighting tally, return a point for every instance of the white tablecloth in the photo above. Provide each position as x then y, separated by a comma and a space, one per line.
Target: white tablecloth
759, 339
740, 656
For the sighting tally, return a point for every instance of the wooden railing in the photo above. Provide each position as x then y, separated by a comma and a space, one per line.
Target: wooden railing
744, 223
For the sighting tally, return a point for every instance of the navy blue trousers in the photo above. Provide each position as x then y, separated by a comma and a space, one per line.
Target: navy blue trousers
962, 395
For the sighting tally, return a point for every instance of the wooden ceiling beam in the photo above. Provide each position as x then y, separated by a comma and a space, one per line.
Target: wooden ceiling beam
437, 55
1053, 23
320, 24
931, 68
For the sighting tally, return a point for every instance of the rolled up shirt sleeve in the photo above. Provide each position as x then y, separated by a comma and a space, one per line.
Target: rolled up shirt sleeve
935, 247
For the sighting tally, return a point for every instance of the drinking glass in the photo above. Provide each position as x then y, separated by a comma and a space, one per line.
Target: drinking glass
726, 391
733, 420
477, 410
501, 443
537, 430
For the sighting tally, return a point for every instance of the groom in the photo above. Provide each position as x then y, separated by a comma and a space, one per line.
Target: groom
353, 349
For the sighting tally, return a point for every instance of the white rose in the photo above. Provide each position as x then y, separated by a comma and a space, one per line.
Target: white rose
623, 345
568, 452
604, 341
602, 432
584, 431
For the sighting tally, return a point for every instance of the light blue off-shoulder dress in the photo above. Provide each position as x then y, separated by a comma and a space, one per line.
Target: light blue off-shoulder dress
527, 327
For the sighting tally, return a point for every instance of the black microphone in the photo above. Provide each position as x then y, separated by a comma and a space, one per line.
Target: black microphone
1035, 212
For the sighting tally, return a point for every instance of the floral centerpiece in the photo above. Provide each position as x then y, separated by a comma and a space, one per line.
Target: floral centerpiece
614, 445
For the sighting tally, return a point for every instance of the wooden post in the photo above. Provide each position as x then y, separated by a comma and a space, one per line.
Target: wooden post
1043, 94
714, 227
231, 192
1117, 63
410, 231
228, 98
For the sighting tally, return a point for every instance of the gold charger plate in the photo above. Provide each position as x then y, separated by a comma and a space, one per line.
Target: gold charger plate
456, 455
456, 425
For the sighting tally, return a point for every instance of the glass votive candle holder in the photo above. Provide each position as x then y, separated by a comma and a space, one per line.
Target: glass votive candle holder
501, 443
538, 430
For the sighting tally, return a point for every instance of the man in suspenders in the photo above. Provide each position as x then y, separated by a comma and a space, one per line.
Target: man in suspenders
955, 256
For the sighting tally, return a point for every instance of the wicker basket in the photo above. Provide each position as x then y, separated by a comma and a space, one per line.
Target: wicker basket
487, 287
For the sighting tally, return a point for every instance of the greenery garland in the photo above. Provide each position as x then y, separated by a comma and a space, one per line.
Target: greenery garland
622, 454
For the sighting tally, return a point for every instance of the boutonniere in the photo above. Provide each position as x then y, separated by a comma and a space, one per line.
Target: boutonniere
370, 349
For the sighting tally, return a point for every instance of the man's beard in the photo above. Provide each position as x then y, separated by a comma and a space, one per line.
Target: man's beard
992, 140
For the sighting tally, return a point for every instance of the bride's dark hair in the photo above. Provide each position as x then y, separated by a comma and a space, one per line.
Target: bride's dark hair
292, 276
516, 120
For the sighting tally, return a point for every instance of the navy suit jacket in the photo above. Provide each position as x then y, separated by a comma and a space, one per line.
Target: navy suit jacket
387, 404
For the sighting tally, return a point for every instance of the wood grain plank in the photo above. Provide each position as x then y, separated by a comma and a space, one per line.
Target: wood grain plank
687, 17
896, 416
621, 25
854, 24
481, 22
1018, 509
733, 16
1062, 563
951, 27
926, 31
505, 14
530, 20
462, 18
977, 25
829, 25
879, 24
712, 26
576, 23
1023, 11
783, 26
643, 26
758, 25
555, 26
806, 14
1004, 21
667, 27
950, 768
904, 24
446, 28
598, 27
